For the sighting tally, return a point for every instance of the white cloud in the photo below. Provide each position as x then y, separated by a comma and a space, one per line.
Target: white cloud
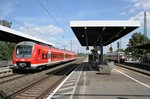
6, 9
135, 6
47, 33
142, 4
140, 17
32, 28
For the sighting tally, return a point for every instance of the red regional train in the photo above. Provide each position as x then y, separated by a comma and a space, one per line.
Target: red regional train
31, 55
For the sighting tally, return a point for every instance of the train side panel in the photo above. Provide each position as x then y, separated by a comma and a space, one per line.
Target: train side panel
39, 56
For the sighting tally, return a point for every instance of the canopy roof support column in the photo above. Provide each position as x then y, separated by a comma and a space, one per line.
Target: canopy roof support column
101, 48
86, 39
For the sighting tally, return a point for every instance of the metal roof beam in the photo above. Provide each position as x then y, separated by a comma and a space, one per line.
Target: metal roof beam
116, 35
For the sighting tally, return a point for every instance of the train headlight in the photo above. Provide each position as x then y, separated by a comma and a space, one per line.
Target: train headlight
22, 59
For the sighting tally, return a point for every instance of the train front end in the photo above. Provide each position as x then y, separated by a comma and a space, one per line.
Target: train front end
122, 57
22, 56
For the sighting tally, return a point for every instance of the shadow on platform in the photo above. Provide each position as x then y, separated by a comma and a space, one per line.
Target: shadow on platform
118, 96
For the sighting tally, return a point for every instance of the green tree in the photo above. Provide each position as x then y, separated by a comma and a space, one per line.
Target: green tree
135, 40
82, 55
5, 23
6, 48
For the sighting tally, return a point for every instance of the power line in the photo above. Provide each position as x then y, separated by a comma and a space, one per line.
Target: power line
19, 23
27, 11
13, 20
51, 16
59, 9
43, 8
61, 12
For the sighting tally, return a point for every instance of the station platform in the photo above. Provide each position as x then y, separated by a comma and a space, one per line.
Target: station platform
137, 62
87, 83
138, 66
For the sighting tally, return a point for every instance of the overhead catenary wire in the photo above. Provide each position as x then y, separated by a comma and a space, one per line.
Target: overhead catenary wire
21, 24
65, 20
28, 12
59, 9
25, 10
51, 16
46, 10
6, 17
61, 12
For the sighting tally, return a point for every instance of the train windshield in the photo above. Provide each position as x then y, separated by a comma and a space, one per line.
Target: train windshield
23, 51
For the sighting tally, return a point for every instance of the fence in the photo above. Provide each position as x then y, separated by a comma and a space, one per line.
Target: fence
3, 63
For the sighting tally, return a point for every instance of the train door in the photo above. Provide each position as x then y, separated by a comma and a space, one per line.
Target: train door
38, 55
49, 56
64, 56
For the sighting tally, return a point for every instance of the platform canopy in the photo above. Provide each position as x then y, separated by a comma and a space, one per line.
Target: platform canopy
89, 32
11, 35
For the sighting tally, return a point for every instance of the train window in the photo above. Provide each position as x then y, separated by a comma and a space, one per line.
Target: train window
52, 55
23, 51
42, 55
38, 51
46, 56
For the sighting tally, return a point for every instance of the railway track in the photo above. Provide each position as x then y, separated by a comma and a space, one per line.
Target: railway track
137, 68
11, 77
39, 89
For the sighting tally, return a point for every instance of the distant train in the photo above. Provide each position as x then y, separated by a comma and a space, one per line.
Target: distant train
116, 57
31, 55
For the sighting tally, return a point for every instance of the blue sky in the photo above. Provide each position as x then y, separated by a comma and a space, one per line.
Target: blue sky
50, 19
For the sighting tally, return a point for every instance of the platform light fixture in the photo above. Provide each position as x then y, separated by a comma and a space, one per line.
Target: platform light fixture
82, 35
87, 47
104, 28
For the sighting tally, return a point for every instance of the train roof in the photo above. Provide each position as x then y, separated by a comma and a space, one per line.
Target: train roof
26, 43
52, 47
113, 53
